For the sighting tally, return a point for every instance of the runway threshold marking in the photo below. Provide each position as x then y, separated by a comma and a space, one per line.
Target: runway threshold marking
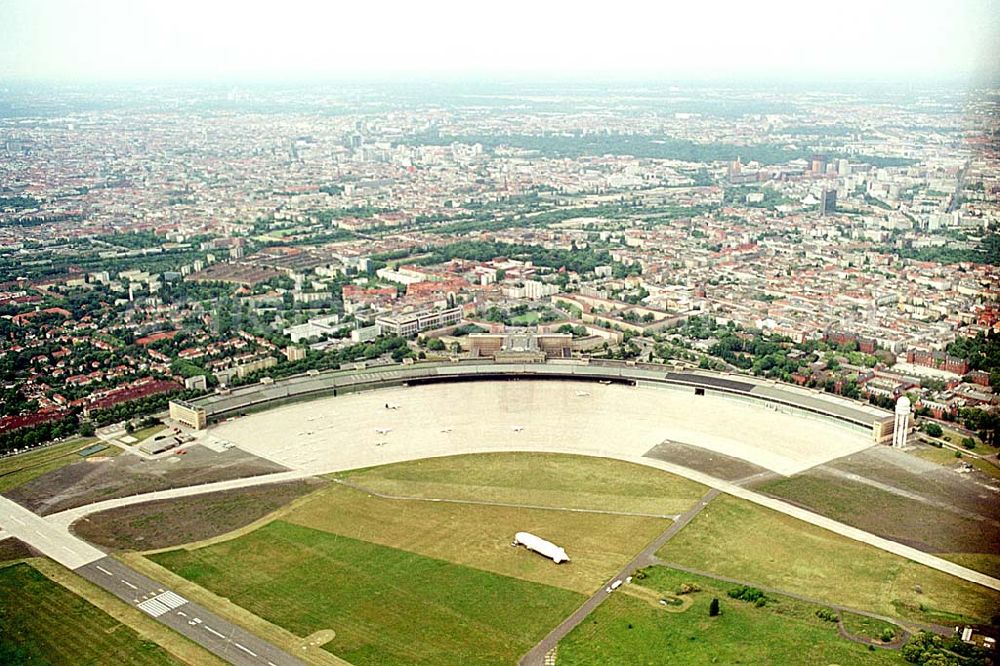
162, 603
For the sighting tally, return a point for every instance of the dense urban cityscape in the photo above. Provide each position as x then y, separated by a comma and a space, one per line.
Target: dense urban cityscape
168, 242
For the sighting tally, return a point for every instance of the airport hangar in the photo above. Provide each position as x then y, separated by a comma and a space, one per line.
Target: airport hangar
473, 406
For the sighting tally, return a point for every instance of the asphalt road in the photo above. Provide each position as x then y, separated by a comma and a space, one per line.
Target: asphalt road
220, 636
536, 656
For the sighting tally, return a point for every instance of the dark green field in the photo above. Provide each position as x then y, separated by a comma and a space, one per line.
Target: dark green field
41, 622
628, 629
387, 606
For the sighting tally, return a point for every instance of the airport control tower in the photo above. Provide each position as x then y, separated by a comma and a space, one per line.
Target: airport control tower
902, 423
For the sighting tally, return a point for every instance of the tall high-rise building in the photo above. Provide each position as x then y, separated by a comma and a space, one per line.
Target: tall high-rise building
828, 202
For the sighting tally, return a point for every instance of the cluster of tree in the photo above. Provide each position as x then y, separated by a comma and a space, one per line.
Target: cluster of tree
436, 344
18, 203
392, 345
494, 221
876, 202
466, 329
577, 331
749, 594
737, 196
927, 649
26, 438
331, 236
186, 368
986, 252
135, 240
982, 351
762, 354
580, 260
140, 407
641, 146
986, 422
365, 212
12, 402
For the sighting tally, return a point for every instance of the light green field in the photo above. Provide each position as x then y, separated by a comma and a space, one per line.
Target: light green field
947, 457
146, 433
387, 606
526, 319
480, 536
984, 466
867, 627
43, 623
23, 468
940, 456
539, 479
740, 540
630, 630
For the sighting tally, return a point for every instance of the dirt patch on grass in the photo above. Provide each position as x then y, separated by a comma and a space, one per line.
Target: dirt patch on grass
12, 549
167, 523
86, 482
930, 527
972, 492
704, 460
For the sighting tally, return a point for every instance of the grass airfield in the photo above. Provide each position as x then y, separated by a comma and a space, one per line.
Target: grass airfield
428, 575
740, 540
630, 629
422, 581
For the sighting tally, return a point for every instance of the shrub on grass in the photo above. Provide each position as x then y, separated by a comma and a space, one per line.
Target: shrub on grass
827, 614
750, 594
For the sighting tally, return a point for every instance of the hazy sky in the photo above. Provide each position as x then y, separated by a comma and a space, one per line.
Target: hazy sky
208, 39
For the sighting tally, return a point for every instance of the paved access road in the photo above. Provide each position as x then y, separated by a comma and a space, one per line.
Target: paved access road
64, 519
52, 540
536, 656
220, 636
